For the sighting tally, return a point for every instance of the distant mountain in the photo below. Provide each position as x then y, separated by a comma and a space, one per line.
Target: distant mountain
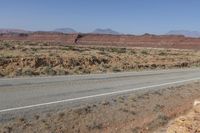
185, 33
13, 31
105, 31
65, 30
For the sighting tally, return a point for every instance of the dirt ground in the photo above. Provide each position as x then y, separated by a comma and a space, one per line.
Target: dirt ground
139, 112
189, 123
23, 58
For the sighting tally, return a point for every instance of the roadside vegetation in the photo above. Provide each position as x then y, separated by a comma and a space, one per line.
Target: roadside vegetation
23, 58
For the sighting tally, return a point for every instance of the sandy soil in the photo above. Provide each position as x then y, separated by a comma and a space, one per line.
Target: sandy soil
20, 58
189, 123
141, 111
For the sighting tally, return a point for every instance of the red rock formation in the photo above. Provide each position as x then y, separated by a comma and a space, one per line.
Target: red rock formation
147, 40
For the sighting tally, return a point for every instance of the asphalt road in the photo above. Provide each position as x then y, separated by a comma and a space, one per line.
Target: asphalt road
20, 94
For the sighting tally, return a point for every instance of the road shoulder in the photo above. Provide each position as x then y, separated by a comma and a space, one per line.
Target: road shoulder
143, 111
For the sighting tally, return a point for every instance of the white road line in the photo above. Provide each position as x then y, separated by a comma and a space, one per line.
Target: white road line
97, 95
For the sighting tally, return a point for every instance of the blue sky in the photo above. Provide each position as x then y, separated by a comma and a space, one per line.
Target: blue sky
126, 16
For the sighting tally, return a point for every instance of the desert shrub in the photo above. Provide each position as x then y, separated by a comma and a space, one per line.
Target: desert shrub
1, 74
86, 71
153, 66
144, 52
133, 52
136, 130
118, 50
49, 71
51, 54
158, 108
95, 125
34, 49
61, 115
116, 69
32, 43
65, 48
24, 49
103, 53
184, 64
6, 44
70, 47
29, 72
45, 44
83, 110
162, 53
79, 49
73, 48
101, 49
18, 72
61, 72
74, 62
161, 120
95, 60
